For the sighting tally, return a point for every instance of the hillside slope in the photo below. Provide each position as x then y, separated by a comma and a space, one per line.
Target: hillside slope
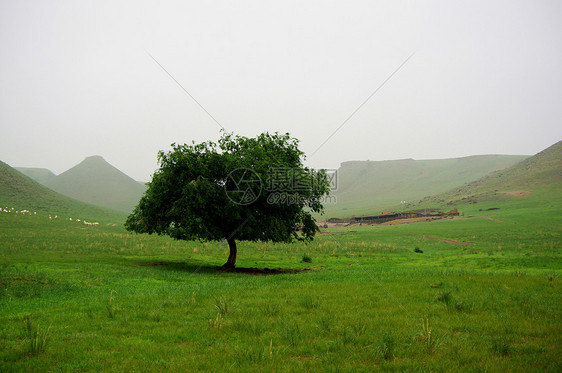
370, 186
21, 192
97, 182
539, 171
41, 175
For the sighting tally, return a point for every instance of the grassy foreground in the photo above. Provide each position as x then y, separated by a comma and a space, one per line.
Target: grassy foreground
95, 298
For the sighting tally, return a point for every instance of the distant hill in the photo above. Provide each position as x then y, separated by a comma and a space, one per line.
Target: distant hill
97, 182
541, 170
41, 175
20, 192
368, 187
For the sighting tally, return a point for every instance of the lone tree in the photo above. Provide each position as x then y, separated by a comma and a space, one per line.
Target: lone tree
245, 189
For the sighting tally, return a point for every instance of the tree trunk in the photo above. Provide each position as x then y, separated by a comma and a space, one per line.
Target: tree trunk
231, 262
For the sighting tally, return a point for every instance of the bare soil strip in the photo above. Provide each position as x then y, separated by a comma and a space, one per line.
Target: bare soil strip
487, 217
517, 193
455, 242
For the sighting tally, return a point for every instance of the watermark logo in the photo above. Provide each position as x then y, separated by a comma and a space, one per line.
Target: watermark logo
292, 180
284, 198
332, 175
243, 186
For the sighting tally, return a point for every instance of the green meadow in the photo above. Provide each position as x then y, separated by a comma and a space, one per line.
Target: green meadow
388, 297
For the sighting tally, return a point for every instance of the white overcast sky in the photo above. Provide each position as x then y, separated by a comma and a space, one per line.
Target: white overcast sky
76, 79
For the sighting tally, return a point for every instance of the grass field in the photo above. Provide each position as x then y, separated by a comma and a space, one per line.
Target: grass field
74, 297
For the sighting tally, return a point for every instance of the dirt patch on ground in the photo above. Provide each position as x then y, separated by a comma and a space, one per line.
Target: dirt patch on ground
27, 279
487, 217
517, 193
263, 271
455, 242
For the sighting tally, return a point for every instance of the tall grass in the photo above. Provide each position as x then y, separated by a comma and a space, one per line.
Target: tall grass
37, 338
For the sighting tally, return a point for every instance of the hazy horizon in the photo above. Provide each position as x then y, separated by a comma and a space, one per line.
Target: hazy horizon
78, 79
351, 160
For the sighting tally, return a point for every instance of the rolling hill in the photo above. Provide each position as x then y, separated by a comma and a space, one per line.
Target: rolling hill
41, 175
20, 192
97, 182
367, 187
541, 171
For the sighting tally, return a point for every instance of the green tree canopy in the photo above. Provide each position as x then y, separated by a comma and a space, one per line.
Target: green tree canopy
239, 189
